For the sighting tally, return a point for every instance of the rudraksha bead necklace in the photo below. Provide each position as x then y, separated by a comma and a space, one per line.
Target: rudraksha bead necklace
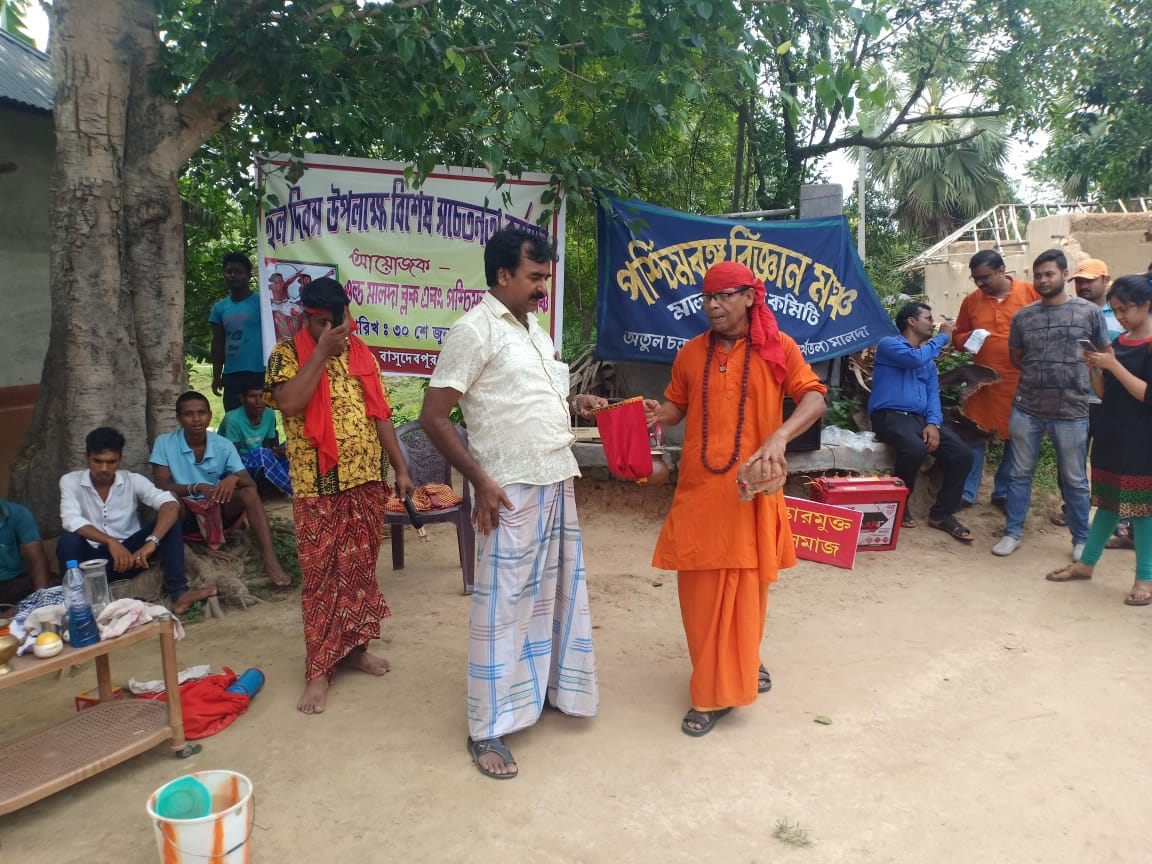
740, 412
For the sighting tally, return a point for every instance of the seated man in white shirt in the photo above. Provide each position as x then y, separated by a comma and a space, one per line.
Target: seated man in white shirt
98, 509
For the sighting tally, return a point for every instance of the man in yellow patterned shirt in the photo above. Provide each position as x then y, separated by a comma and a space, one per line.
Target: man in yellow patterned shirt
326, 384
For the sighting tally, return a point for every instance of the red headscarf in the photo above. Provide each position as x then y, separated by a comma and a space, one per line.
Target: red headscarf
318, 428
763, 332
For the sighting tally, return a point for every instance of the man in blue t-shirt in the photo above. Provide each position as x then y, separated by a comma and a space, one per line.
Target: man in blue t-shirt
252, 428
204, 471
237, 349
23, 562
905, 412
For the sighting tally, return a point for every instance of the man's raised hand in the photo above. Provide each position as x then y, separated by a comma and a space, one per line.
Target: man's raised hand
333, 340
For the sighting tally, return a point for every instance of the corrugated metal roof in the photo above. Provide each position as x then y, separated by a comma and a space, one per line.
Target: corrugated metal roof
25, 74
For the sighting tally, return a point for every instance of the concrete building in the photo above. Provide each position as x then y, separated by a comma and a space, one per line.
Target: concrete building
27, 152
1121, 239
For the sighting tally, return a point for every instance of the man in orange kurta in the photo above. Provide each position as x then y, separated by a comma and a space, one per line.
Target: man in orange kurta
990, 307
729, 383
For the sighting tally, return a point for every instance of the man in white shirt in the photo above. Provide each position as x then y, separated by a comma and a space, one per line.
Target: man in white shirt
530, 633
98, 509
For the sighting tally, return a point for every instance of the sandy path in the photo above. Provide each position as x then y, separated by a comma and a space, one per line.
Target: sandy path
979, 714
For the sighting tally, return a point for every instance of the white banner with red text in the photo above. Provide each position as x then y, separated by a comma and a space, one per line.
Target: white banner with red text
410, 258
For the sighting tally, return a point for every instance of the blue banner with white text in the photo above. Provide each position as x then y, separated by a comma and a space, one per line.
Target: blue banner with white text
652, 263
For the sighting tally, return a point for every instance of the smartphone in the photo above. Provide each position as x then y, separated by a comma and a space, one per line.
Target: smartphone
338, 316
1087, 345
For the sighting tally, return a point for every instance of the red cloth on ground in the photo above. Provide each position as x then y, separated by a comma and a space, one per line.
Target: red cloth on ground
624, 434
208, 706
764, 332
318, 428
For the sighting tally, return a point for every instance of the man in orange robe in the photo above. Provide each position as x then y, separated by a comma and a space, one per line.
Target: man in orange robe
990, 307
730, 384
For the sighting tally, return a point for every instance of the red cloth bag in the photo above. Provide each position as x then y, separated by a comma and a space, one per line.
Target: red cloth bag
624, 434
208, 706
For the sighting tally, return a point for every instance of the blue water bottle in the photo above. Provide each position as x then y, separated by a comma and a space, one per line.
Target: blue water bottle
249, 683
82, 629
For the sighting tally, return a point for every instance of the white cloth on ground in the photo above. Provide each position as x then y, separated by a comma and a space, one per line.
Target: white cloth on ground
150, 688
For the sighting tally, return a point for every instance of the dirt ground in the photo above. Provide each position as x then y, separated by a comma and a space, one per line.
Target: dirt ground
979, 714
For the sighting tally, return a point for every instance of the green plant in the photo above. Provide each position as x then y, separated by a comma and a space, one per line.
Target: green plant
946, 362
284, 542
791, 833
1046, 474
842, 412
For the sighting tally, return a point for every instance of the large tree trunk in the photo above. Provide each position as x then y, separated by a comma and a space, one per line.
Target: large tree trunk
115, 351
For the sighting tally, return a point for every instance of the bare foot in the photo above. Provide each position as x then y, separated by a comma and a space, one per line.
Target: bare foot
315, 696
359, 658
189, 597
1070, 573
278, 576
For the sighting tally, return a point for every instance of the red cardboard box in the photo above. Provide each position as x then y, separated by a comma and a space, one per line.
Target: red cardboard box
880, 501
92, 697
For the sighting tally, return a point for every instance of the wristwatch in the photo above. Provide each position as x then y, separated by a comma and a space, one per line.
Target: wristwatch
153, 539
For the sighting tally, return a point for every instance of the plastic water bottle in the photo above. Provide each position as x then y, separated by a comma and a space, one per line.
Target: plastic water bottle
249, 683
82, 627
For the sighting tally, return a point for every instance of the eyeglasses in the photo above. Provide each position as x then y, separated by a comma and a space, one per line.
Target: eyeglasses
723, 295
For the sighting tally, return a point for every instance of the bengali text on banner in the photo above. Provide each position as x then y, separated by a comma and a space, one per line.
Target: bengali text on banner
652, 263
411, 258
823, 532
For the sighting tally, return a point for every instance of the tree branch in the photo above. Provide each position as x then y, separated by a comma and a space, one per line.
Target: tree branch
884, 140
200, 118
366, 11
962, 115
566, 46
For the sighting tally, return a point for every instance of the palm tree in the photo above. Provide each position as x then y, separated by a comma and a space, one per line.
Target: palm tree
954, 173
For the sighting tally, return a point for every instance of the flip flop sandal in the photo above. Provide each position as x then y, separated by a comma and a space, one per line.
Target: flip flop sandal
763, 680
1120, 541
1146, 601
951, 525
1065, 575
491, 745
706, 719
1058, 520
908, 522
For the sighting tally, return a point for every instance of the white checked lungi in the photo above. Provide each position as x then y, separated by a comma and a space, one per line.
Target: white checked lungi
530, 632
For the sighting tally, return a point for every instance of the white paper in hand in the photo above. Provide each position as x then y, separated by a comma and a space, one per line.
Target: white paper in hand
976, 341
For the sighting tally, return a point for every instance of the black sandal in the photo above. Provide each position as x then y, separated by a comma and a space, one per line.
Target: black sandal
706, 719
492, 745
951, 525
763, 680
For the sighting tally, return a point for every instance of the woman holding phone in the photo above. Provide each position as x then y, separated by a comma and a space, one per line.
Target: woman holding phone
1121, 455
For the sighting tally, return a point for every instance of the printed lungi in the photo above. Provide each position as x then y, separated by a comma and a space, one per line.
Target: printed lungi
338, 541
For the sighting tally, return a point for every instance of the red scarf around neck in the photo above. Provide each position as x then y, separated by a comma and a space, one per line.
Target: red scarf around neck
318, 428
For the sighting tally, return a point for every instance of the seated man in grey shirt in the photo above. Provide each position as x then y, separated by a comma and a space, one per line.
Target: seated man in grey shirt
1053, 397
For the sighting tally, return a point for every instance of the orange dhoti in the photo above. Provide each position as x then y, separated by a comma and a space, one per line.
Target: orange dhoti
723, 613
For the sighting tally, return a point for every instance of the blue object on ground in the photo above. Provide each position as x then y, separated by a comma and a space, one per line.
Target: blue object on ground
249, 683
184, 798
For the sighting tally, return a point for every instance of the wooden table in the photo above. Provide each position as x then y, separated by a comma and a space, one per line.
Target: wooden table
42, 763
